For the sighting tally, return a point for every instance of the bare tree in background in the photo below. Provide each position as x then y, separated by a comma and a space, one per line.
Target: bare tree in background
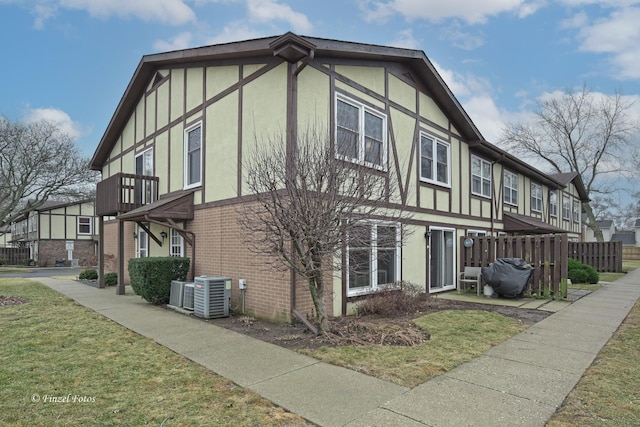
38, 161
306, 204
579, 132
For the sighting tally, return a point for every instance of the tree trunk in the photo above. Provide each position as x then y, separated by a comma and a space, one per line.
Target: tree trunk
597, 232
316, 287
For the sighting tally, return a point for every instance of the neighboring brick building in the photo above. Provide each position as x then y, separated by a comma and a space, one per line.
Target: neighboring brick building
58, 231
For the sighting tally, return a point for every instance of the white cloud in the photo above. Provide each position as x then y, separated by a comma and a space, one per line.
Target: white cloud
271, 10
469, 11
180, 41
171, 12
476, 96
577, 21
406, 40
617, 35
234, 31
59, 118
461, 39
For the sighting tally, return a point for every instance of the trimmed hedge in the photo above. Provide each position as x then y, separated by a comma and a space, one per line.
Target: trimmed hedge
151, 277
582, 273
89, 274
111, 279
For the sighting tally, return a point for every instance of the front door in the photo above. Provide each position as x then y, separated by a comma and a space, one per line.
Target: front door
441, 259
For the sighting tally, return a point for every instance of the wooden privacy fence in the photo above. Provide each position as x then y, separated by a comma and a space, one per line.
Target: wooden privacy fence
547, 255
603, 256
13, 256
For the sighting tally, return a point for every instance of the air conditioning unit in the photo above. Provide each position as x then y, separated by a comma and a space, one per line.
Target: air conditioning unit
176, 294
211, 296
188, 298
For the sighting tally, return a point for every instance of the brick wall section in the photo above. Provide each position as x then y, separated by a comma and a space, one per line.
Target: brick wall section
51, 250
221, 251
111, 247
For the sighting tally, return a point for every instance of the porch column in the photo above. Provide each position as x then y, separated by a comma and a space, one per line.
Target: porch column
101, 252
120, 286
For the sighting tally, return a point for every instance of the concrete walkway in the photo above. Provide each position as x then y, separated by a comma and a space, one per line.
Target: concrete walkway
520, 382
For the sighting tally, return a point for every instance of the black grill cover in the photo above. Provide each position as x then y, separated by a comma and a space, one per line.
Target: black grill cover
508, 276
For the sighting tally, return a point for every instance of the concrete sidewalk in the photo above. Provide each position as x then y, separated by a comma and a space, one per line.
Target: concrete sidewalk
520, 382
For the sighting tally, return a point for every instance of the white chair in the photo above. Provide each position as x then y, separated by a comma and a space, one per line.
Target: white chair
471, 276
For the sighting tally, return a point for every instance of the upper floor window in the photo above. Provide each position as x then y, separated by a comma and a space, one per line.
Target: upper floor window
510, 188
553, 203
193, 155
566, 208
576, 211
84, 225
373, 257
536, 197
435, 159
480, 177
360, 134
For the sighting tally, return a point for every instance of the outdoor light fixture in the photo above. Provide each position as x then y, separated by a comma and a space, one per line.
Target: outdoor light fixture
163, 234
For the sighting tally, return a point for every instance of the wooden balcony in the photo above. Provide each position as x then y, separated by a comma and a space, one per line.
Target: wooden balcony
124, 192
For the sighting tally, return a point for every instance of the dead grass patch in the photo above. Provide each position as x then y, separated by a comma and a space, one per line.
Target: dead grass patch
608, 394
53, 348
456, 336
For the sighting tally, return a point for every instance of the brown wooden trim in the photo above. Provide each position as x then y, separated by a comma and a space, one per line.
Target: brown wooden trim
240, 147
318, 65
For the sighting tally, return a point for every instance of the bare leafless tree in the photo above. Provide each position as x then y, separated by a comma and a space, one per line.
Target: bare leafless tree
38, 161
307, 202
581, 132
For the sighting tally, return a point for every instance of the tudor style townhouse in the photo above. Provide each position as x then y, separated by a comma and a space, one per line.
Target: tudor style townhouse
172, 164
58, 231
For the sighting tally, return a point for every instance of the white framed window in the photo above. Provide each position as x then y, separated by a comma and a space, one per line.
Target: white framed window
435, 160
142, 247
361, 135
476, 233
373, 257
566, 208
553, 203
480, 177
536, 197
177, 244
510, 188
85, 225
144, 166
576, 211
193, 156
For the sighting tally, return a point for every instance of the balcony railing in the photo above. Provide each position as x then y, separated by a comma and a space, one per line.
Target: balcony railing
124, 192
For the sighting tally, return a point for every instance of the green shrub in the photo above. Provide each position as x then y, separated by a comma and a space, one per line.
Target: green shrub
151, 277
581, 273
89, 274
111, 279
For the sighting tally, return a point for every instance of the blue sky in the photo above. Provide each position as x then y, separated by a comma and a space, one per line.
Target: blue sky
70, 60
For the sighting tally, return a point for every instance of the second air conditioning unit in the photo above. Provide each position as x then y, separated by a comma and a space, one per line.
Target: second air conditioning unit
211, 296
176, 294
188, 298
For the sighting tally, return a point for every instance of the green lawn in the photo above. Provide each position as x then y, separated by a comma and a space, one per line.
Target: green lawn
63, 364
457, 336
608, 394
13, 270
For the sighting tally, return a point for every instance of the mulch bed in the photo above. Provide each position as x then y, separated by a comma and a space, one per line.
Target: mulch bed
395, 329
9, 300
